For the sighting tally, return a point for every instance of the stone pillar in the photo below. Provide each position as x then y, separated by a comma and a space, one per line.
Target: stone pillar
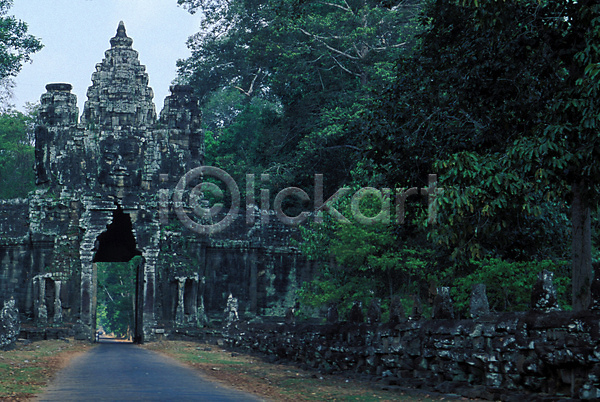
194, 299
179, 312
595, 290
149, 319
202, 318
58, 317
40, 308
95, 218
86, 299
253, 281
10, 325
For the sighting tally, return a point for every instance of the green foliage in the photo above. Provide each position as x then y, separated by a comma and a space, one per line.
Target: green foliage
364, 261
509, 284
488, 207
284, 83
334, 287
17, 176
16, 45
116, 295
498, 101
498, 98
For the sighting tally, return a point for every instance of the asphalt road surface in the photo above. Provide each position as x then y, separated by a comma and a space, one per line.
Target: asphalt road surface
125, 372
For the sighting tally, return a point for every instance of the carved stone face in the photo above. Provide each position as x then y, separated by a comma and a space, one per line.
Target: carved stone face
121, 163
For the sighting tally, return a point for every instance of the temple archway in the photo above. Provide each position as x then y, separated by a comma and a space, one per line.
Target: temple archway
118, 245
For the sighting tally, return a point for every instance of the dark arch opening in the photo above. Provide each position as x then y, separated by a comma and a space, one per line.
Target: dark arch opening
117, 244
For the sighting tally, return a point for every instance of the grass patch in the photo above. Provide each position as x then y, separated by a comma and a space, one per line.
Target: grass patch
27, 369
279, 382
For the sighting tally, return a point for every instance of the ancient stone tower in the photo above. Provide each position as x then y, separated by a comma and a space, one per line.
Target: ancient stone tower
105, 189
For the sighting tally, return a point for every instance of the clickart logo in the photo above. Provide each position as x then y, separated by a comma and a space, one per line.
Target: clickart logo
194, 190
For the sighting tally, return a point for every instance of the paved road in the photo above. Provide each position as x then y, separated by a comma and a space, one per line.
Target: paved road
125, 372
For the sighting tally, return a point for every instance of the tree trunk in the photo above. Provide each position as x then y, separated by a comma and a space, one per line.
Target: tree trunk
581, 248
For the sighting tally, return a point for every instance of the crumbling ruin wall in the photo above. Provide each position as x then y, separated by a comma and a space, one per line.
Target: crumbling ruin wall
510, 356
256, 264
555, 353
16, 268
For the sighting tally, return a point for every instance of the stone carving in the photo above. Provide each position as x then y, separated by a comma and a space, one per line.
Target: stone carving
202, 318
396, 310
42, 305
374, 311
417, 309
120, 165
9, 324
231, 311
120, 95
333, 315
479, 305
356, 314
543, 294
442, 304
290, 315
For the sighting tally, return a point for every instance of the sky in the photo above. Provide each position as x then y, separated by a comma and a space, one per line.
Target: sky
76, 33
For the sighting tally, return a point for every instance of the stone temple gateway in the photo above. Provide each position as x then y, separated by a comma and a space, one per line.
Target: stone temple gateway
105, 190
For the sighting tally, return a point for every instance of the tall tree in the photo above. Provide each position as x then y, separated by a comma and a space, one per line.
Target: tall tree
16, 151
16, 45
16, 154
503, 107
312, 63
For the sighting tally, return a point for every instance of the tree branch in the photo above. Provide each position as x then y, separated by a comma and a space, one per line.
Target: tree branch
327, 46
251, 89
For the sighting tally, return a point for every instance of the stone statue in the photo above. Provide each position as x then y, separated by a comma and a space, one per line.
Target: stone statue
290, 315
543, 294
442, 304
374, 311
396, 310
356, 314
417, 309
333, 315
231, 311
479, 305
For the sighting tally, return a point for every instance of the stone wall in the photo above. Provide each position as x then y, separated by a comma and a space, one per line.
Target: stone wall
256, 264
16, 256
505, 356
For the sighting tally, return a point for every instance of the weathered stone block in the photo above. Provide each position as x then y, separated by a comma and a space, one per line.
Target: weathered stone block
10, 324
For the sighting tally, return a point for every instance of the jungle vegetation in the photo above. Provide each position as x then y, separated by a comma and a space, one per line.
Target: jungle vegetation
497, 99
